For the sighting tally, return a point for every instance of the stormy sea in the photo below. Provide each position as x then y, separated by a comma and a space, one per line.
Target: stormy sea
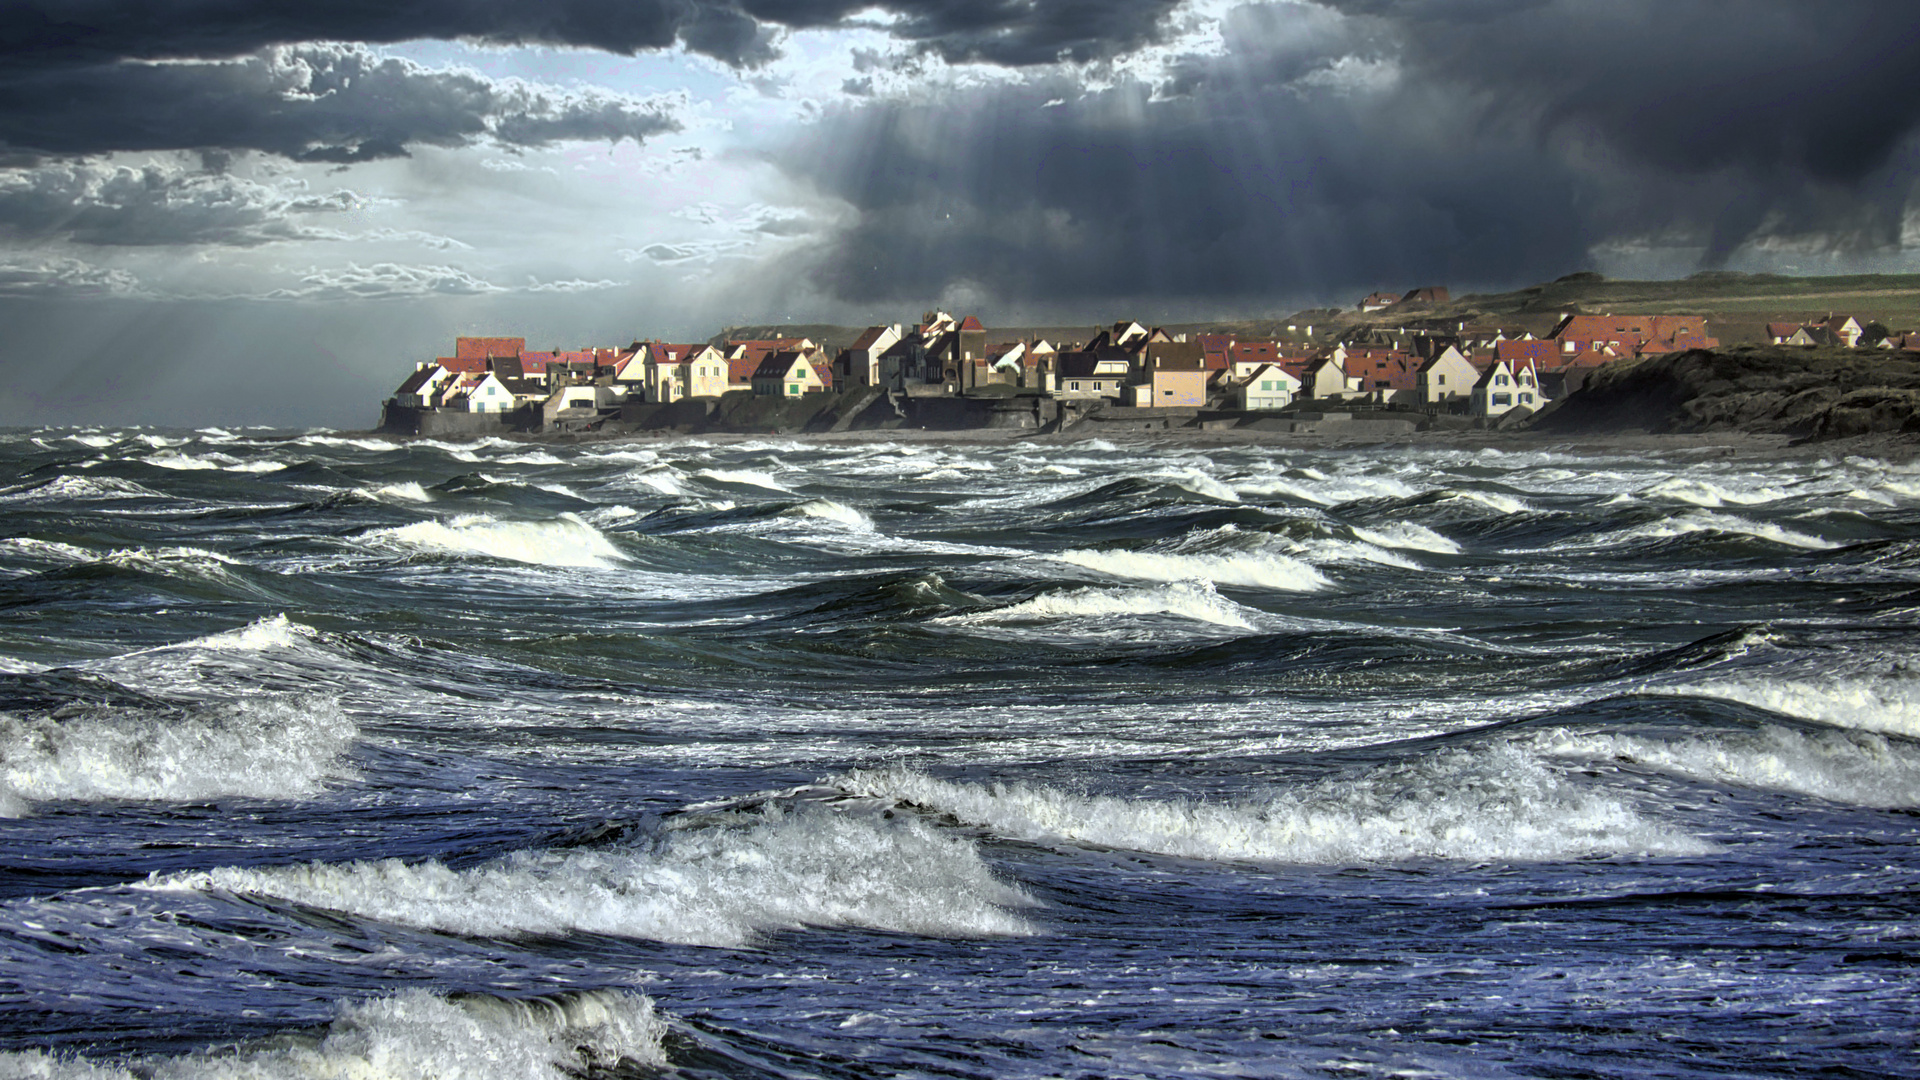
329, 756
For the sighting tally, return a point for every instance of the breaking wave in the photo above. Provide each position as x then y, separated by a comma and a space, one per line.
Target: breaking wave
1495, 802
1409, 536
263, 747
1252, 569
1708, 494
828, 510
406, 491
746, 477
1724, 524
565, 541
1185, 599
1856, 767
1887, 703
416, 1035
721, 883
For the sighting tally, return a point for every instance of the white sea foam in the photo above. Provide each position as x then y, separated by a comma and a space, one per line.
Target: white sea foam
565, 541
335, 440
1694, 522
666, 481
416, 1035
562, 489
274, 632
94, 441
1408, 535
1186, 599
840, 513
264, 747
536, 457
1706, 493
746, 477
1316, 487
1887, 702
82, 488
1200, 484
1252, 569
1493, 802
170, 459
1857, 767
719, 881
405, 491
1492, 500
47, 549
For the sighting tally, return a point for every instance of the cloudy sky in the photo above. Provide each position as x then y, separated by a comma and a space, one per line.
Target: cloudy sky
234, 211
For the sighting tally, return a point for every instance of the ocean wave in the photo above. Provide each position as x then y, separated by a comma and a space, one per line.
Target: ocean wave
1887, 702
1199, 483
565, 541
405, 491
1706, 493
265, 747
829, 510
338, 441
665, 480
1409, 536
94, 441
535, 457
1322, 490
742, 477
722, 881
416, 1035
1491, 500
1252, 569
1858, 767
82, 489
1185, 599
273, 632
1491, 802
169, 459
1697, 522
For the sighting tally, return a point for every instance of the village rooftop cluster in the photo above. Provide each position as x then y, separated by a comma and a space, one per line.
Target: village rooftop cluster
1430, 366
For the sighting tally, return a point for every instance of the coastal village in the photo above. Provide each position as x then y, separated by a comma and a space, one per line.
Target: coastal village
954, 372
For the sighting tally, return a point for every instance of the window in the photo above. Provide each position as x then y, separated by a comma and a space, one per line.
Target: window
1073, 386
1503, 399
1526, 399
793, 389
1168, 393
1499, 380
1443, 380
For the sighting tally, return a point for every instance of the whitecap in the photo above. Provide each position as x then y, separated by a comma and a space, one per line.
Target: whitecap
416, 1035
564, 541
746, 477
719, 881
1859, 767
1407, 535
839, 513
1252, 569
405, 491
1706, 493
1493, 802
1185, 599
263, 747
1887, 703
1694, 522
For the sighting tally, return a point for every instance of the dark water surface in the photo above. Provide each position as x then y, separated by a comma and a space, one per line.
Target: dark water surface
324, 756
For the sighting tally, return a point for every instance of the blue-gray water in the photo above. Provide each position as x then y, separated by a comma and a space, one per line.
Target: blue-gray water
334, 757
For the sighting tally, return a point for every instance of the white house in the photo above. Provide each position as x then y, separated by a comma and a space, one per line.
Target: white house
1445, 376
1266, 387
1504, 388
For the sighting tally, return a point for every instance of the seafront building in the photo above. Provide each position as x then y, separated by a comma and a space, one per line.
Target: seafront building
1422, 366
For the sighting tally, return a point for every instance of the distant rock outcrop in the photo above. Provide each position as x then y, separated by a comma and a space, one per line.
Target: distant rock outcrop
1810, 393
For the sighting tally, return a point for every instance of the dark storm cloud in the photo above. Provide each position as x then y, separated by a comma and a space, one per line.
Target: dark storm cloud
328, 103
1000, 31
1203, 199
1479, 141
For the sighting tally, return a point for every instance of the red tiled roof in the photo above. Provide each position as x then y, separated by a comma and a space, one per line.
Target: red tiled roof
1526, 350
971, 323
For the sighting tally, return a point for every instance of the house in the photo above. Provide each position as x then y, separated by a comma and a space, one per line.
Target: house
1267, 386
1377, 301
744, 357
791, 373
418, 390
859, 366
1085, 376
1504, 387
1427, 294
1631, 335
1326, 377
672, 373
486, 348
487, 393
1447, 377
1171, 374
